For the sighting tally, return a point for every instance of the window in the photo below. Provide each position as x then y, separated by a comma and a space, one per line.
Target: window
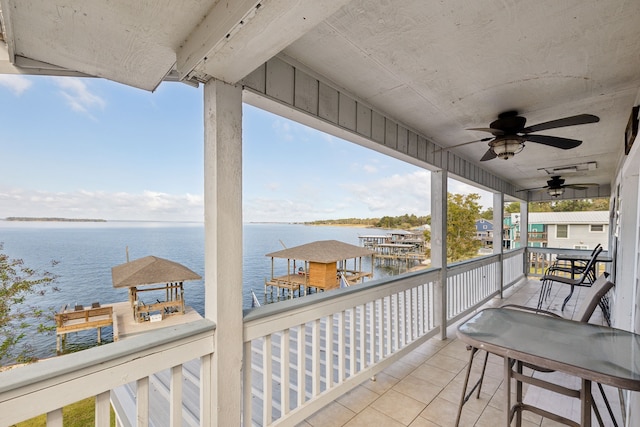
562, 231
596, 228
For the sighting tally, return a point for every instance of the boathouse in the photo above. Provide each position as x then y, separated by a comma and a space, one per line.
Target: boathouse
319, 266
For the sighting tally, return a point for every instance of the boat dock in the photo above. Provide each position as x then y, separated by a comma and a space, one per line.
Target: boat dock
117, 315
396, 247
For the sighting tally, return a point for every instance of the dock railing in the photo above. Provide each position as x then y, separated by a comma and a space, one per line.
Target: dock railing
298, 356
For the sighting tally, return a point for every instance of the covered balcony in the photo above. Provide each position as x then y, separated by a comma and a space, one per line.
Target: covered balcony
415, 80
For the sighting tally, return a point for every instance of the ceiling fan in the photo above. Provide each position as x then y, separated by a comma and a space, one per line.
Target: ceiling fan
555, 186
509, 134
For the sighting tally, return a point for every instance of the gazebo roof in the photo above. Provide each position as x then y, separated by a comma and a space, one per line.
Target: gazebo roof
150, 270
323, 251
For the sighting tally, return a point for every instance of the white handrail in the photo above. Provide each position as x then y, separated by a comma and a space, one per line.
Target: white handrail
47, 386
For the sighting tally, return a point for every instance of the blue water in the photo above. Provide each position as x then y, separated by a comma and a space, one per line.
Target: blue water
85, 253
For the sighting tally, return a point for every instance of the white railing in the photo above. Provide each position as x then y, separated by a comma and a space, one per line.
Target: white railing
303, 356
49, 385
539, 259
513, 267
473, 282
298, 356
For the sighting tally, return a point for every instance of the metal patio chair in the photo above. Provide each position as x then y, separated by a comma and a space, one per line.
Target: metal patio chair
586, 277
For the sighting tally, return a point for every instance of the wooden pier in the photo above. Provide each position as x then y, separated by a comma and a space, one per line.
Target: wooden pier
81, 319
396, 247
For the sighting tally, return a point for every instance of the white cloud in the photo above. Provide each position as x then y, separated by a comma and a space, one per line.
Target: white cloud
457, 187
15, 83
78, 95
149, 205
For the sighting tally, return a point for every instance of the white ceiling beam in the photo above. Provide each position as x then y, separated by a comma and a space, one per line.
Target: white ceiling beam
28, 66
223, 19
6, 28
233, 40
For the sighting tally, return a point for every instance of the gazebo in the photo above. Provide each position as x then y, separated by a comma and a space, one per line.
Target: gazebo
323, 266
152, 270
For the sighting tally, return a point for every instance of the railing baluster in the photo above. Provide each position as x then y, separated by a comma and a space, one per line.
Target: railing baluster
175, 397
267, 381
396, 322
142, 398
247, 383
363, 341
315, 358
328, 339
301, 364
352, 341
102, 410
341, 353
381, 341
285, 383
388, 323
371, 308
54, 418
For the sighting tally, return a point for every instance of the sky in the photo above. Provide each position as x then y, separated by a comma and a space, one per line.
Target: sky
91, 148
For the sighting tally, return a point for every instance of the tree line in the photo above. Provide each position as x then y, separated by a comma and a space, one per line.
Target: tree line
578, 205
396, 222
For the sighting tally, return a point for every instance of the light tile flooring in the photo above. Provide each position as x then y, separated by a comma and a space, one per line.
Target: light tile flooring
423, 388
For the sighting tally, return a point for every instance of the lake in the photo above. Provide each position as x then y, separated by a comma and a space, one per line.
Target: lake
86, 251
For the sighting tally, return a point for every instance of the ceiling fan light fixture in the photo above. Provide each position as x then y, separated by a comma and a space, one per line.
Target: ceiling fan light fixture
556, 192
508, 146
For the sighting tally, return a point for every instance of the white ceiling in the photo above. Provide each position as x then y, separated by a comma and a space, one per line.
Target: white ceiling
438, 67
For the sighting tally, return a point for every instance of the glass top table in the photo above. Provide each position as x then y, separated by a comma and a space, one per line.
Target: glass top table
592, 352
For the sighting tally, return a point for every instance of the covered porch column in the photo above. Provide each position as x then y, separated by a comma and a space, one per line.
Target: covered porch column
524, 235
498, 220
439, 245
221, 376
524, 227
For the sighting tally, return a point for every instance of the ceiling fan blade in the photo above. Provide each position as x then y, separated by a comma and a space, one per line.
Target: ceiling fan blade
488, 155
580, 186
495, 132
580, 119
460, 145
554, 141
532, 189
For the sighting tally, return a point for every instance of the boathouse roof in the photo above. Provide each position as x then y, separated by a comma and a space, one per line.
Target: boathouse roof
150, 270
323, 251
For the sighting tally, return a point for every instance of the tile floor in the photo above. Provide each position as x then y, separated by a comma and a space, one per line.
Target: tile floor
423, 388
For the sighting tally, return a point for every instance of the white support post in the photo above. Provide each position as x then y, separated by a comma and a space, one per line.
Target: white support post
439, 245
524, 224
524, 235
223, 248
498, 221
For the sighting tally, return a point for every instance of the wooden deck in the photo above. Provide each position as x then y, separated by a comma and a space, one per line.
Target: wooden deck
127, 325
118, 315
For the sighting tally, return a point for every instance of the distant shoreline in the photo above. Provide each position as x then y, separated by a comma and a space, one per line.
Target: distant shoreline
20, 218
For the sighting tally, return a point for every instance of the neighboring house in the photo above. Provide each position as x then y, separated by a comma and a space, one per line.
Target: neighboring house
484, 231
571, 230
